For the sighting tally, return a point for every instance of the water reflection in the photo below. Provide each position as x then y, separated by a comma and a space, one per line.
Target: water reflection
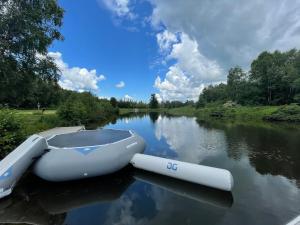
264, 161
36, 201
187, 190
153, 116
270, 150
55, 203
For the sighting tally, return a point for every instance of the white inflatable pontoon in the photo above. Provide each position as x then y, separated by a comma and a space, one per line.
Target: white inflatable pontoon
71, 153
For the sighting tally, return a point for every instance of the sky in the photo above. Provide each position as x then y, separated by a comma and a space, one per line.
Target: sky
129, 49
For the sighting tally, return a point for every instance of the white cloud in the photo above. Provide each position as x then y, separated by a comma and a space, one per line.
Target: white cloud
120, 8
128, 97
165, 40
121, 84
217, 35
76, 78
192, 71
104, 97
232, 32
158, 97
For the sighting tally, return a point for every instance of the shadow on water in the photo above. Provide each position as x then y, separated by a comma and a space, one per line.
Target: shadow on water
36, 201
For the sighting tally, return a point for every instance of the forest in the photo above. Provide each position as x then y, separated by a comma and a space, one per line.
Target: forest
273, 79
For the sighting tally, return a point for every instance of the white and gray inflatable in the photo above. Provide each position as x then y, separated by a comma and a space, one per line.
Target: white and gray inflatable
71, 153
87, 154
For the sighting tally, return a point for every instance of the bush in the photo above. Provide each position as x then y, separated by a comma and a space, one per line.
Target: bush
290, 113
218, 112
73, 112
83, 108
10, 132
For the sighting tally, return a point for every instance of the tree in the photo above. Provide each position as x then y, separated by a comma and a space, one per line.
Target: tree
113, 102
275, 73
235, 80
27, 28
213, 94
153, 104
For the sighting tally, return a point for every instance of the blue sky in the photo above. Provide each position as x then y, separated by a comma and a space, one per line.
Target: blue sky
172, 48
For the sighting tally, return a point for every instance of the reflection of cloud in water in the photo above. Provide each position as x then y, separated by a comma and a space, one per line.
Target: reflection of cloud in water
121, 212
191, 142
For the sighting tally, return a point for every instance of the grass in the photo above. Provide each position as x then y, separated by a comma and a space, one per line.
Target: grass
239, 113
33, 121
34, 112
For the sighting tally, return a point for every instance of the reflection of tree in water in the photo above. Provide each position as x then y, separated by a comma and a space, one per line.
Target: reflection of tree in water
271, 150
153, 116
132, 115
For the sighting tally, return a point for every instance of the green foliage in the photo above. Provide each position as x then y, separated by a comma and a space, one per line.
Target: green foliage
28, 75
131, 104
73, 112
176, 104
218, 112
212, 93
236, 113
153, 104
274, 79
82, 108
114, 102
10, 131
275, 74
289, 113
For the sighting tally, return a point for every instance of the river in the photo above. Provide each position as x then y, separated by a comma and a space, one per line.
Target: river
264, 161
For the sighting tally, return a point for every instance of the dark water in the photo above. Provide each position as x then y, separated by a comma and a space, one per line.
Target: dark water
264, 161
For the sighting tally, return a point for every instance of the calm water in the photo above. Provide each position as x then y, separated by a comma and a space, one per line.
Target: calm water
264, 161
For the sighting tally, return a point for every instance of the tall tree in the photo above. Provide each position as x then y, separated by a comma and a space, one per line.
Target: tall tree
113, 102
27, 28
153, 104
235, 80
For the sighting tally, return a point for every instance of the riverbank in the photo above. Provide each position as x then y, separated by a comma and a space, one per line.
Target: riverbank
17, 125
287, 113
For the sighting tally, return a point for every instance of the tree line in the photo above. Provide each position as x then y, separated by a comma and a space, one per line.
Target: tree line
274, 79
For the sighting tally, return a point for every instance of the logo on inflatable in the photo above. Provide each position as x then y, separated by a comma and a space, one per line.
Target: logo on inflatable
172, 166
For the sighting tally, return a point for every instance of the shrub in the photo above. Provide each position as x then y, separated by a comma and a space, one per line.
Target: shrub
10, 132
218, 112
290, 113
72, 112
82, 108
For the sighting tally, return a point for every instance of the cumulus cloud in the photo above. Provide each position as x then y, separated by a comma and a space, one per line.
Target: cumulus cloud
128, 97
119, 7
217, 35
192, 71
232, 32
165, 40
76, 78
121, 84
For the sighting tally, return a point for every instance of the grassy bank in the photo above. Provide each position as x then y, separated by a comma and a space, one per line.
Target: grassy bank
33, 121
239, 113
288, 113
17, 125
